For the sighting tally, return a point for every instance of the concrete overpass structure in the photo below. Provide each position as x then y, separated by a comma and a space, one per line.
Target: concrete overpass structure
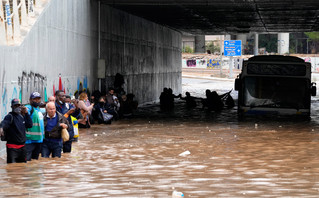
78, 45
202, 17
226, 16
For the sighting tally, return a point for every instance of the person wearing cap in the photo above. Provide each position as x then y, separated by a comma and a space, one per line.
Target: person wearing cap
35, 134
15, 124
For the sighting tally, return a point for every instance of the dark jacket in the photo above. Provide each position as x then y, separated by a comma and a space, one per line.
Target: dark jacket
62, 108
15, 131
55, 133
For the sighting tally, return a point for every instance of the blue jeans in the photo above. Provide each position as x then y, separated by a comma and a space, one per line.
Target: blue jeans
33, 150
52, 146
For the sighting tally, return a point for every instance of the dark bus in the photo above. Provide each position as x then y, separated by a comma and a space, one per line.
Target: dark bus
275, 85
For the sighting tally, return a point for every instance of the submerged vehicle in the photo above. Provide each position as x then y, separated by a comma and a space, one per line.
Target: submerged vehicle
275, 84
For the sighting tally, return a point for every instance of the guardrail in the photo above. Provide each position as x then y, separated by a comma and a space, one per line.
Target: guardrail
15, 15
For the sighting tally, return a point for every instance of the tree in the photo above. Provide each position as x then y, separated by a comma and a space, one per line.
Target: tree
268, 41
212, 48
314, 38
298, 43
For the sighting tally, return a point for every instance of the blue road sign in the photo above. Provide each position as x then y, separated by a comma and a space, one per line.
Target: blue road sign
232, 48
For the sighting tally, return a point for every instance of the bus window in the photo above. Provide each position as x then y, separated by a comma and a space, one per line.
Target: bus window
276, 92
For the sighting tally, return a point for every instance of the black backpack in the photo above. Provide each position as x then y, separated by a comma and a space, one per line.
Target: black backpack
4, 135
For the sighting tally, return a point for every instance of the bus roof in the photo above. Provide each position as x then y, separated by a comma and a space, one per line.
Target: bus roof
275, 58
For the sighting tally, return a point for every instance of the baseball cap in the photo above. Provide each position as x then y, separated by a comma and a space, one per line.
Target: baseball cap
15, 102
35, 95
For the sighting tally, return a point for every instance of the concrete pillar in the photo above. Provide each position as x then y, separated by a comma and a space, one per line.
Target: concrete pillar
16, 20
200, 44
24, 19
283, 43
256, 44
243, 38
3, 40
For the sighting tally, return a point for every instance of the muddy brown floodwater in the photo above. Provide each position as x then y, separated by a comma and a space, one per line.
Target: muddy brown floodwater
140, 157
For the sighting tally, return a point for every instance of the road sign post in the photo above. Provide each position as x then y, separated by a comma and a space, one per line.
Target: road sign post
232, 48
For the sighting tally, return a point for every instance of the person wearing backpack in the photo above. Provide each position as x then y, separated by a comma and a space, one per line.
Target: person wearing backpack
14, 125
35, 134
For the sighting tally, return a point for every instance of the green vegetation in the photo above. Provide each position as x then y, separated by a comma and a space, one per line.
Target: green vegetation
212, 48
301, 43
188, 49
268, 41
304, 43
314, 36
314, 41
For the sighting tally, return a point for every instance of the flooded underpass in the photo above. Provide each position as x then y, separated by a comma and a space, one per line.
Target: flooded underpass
202, 154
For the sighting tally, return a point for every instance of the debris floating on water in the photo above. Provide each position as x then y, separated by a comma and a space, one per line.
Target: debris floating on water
185, 153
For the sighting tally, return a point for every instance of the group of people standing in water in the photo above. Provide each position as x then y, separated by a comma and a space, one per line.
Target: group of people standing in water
212, 102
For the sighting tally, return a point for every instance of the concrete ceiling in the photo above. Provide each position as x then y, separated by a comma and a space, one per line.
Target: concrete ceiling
226, 16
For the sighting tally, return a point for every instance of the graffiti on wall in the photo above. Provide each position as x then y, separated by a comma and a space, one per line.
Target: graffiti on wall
30, 82
3, 97
314, 63
212, 63
191, 63
82, 87
15, 94
4, 101
202, 62
66, 86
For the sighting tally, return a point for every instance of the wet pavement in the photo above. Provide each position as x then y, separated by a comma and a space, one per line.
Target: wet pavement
142, 157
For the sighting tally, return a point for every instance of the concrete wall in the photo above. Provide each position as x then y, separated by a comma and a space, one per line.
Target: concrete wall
60, 50
146, 54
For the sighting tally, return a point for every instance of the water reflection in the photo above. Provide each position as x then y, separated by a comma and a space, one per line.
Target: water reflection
141, 158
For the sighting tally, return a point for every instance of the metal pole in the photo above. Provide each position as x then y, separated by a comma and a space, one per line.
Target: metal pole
99, 29
230, 67
99, 38
221, 56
